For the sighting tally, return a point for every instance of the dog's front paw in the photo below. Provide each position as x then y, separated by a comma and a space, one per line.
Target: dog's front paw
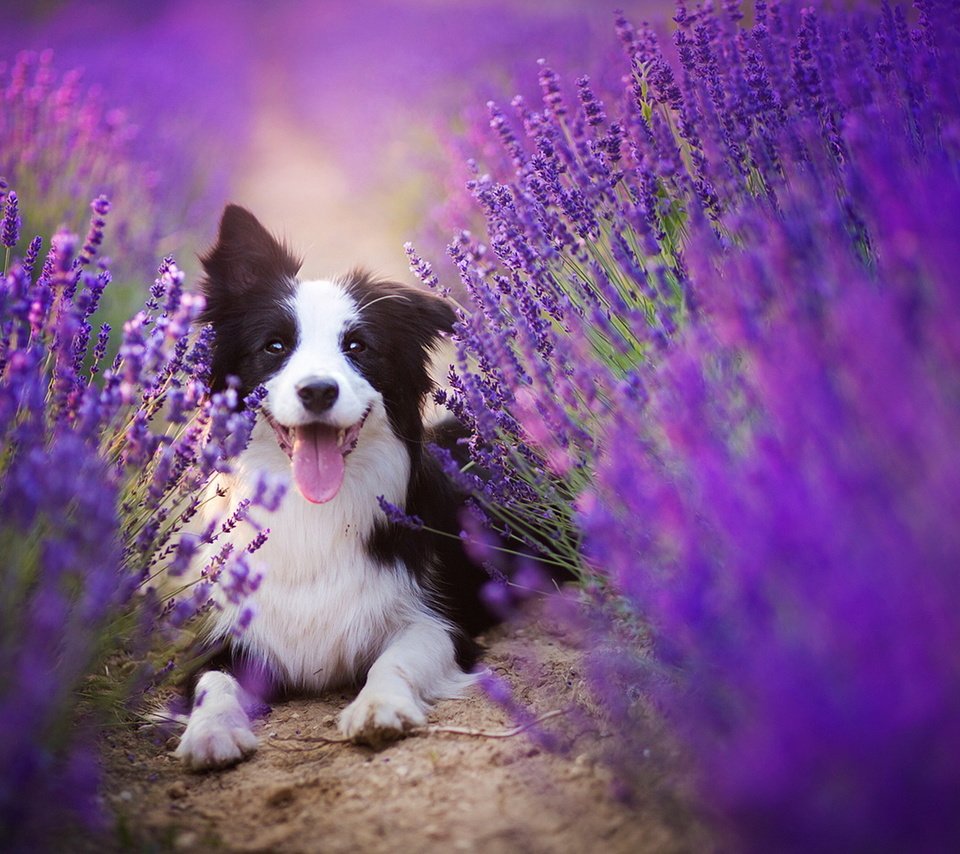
210, 743
218, 731
375, 718
215, 742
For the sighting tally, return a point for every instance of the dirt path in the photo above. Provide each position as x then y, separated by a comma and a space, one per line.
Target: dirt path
437, 792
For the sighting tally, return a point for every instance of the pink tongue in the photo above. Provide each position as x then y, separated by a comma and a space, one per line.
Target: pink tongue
317, 462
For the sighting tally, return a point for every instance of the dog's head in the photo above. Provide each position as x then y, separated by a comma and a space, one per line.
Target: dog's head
333, 355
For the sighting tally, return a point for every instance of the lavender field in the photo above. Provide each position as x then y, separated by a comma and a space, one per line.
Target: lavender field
704, 260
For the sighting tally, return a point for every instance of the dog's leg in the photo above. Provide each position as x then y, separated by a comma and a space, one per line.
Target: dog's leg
218, 731
417, 668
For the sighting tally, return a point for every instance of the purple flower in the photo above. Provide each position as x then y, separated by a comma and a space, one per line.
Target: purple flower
722, 335
96, 485
424, 271
239, 581
397, 516
100, 207
12, 221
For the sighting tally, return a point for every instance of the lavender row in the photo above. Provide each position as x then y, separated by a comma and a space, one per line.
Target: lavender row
103, 470
708, 352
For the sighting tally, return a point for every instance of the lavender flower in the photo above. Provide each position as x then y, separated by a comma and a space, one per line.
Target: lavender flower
60, 143
50, 635
397, 516
713, 334
96, 486
798, 557
100, 208
12, 221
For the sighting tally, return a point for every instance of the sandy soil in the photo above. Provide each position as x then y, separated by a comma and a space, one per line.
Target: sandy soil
431, 792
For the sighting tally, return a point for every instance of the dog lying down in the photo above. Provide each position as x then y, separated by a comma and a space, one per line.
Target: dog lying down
347, 597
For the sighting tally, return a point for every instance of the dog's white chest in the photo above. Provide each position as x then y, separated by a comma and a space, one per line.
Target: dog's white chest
323, 614
328, 631
325, 608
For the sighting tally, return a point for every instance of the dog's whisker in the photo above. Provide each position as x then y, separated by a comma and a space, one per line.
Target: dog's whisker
367, 305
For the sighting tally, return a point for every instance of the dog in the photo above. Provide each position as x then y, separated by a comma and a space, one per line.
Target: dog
347, 596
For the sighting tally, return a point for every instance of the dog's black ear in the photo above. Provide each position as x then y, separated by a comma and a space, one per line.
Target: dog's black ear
431, 316
245, 256
418, 314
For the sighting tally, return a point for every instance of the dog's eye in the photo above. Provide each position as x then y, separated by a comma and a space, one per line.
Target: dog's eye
275, 347
354, 346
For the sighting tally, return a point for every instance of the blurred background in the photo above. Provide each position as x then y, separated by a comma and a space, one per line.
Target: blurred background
342, 125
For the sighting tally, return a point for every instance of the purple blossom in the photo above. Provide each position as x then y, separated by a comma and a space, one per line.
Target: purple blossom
76, 573
269, 493
61, 144
397, 516
12, 221
799, 551
239, 580
730, 354
100, 207
424, 271
30, 258
96, 484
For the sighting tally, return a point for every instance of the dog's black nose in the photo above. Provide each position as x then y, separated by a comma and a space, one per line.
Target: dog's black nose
318, 395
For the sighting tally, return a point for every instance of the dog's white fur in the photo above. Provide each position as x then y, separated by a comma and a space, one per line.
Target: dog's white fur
325, 610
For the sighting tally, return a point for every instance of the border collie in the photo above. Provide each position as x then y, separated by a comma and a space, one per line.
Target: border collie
347, 597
